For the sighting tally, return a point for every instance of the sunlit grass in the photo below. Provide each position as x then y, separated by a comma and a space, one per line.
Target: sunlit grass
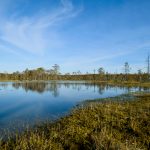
99, 125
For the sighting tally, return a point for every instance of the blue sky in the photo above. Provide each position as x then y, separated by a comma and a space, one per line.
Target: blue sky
76, 34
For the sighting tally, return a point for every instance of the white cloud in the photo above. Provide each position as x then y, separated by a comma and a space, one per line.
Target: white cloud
38, 33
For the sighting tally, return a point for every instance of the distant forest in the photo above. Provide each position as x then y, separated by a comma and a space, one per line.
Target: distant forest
54, 74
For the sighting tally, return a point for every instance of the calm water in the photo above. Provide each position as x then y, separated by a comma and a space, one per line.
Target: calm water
27, 102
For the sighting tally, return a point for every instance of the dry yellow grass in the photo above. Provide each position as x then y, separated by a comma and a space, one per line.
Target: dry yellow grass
106, 125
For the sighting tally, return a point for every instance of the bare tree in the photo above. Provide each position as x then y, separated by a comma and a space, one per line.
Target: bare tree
56, 69
79, 72
139, 71
127, 68
148, 64
101, 70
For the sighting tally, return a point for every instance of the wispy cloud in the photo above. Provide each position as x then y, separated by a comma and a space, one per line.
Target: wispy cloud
76, 61
37, 33
105, 58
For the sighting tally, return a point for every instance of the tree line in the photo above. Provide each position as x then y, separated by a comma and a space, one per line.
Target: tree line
55, 74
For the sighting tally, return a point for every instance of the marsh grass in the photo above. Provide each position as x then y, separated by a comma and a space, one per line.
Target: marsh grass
105, 125
131, 84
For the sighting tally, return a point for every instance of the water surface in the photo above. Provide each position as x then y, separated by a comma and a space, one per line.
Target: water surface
27, 102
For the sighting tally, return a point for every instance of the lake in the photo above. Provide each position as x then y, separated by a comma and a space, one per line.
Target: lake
29, 102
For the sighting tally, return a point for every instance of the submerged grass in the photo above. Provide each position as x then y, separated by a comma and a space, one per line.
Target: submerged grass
105, 125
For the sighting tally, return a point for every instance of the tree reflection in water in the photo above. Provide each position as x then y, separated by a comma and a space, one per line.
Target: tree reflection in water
54, 86
31, 86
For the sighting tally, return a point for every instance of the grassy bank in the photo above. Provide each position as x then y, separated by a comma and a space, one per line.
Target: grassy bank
124, 83
131, 84
111, 123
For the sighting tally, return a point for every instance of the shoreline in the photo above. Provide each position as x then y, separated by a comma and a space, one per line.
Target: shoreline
105, 124
113, 83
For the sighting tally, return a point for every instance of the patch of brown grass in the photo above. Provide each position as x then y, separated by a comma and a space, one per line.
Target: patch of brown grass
108, 125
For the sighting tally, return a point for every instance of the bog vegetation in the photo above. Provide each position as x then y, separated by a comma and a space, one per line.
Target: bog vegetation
54, 74
111, 123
